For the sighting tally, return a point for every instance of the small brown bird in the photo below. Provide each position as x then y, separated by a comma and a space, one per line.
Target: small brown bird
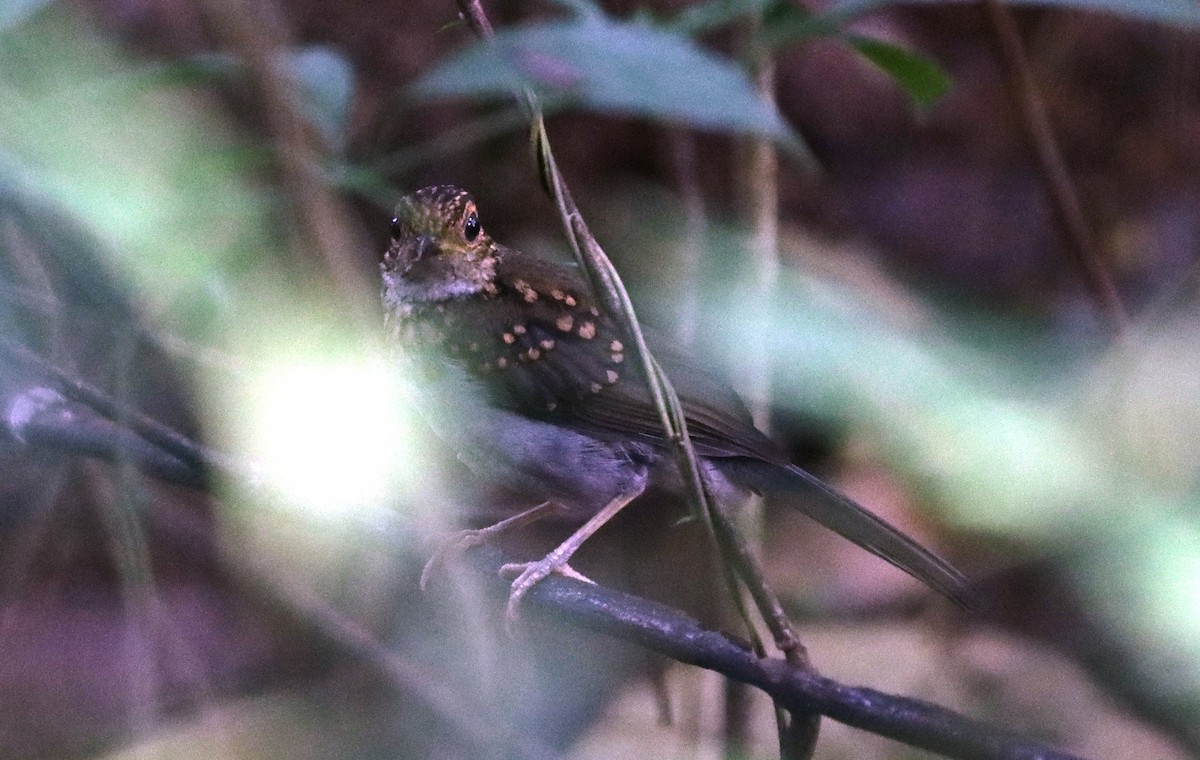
531, 382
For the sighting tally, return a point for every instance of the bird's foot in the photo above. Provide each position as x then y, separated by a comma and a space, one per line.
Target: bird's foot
529, 574
456, 543
452, 546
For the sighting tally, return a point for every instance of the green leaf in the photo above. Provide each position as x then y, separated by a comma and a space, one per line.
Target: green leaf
611, 67
1181, 12
921, 78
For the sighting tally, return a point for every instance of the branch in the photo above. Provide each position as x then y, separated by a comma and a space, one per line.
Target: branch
143, 428
674, 634
44, 420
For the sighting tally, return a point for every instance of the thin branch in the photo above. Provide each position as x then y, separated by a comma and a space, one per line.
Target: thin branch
680, 637
628, 618
606, 282
1081, 243
177, 445
611, 291
43, 419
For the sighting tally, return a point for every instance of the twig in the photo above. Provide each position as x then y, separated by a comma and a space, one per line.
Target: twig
606, 282
1081, 243
611, 291
757, 177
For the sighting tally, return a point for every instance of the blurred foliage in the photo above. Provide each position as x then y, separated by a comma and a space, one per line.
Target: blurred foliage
147, 161
1100, 473
147, 168
1183, 12
603, 64
1010, 431
612, 66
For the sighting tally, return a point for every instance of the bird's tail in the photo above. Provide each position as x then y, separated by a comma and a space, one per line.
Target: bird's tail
853, 522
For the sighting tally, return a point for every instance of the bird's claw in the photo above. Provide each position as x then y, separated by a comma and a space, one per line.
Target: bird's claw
529, 574
452, 546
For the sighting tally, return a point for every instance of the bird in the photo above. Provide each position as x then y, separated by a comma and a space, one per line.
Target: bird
522, 372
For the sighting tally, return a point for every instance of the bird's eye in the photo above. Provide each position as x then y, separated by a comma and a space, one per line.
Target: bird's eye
397, 228
471, 227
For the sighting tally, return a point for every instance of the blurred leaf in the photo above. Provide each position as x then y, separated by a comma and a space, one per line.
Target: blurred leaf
201, 67
1183, 12
13, 12
705, 17
921, 78
325, 80
204, 68
144, 167
581, 8
611, 67
787, 24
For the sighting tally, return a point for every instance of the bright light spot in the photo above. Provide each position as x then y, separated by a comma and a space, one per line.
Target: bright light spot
329, 434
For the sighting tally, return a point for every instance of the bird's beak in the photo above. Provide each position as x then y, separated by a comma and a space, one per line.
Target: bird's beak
426, 245
400, 258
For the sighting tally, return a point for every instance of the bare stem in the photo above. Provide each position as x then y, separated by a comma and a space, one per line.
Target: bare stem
1081, 243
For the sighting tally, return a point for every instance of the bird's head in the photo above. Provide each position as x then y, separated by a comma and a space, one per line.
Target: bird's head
439, 249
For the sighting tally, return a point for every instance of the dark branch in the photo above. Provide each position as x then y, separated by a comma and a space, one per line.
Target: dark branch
146, 430
672, 633
44, 420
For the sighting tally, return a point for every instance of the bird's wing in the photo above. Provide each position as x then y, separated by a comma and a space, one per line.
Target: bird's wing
539, 344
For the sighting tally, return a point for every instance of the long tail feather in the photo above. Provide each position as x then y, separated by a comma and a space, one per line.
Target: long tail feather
855, 523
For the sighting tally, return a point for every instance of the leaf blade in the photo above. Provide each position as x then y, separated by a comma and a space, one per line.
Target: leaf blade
611, 67
923, 79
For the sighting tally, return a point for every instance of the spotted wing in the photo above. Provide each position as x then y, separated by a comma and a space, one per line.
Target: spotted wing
539, 344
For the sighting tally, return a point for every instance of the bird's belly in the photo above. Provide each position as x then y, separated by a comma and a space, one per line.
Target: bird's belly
551, 462
547, 462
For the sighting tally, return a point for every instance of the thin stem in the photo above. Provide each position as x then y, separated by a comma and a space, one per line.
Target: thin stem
1081, 243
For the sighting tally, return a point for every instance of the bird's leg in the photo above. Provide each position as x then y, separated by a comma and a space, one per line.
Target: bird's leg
529, 573
459, 542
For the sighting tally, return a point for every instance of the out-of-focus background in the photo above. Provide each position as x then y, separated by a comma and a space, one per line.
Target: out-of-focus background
193, 198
